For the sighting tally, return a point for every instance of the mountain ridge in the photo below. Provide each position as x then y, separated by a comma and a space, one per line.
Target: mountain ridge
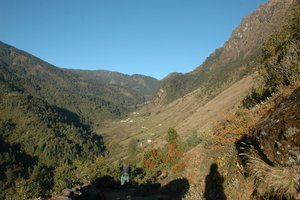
86, 97
145, 85
236, 59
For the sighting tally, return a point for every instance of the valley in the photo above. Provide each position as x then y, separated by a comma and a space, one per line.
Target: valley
184, 114
230, 125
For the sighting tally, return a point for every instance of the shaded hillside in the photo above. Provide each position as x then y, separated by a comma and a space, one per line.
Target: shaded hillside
143, 84
239, 56
91, 100
36, 138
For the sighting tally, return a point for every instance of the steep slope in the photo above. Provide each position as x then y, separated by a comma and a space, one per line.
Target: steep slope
269, 131
143, 84
90, 99
238, 57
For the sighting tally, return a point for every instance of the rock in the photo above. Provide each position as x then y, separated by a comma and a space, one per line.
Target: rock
67, 192
278, 134
60, 197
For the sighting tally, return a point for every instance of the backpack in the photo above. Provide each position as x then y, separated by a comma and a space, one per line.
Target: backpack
126, 171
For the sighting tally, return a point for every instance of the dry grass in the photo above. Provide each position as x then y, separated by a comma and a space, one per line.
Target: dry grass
194, 193
272, 181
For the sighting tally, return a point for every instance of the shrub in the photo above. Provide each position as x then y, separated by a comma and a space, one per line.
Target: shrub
171, 135
193, 140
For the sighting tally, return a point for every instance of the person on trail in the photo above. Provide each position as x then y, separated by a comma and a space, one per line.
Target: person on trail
126, 172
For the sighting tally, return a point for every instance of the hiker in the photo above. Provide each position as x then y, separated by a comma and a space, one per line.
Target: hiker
126, 172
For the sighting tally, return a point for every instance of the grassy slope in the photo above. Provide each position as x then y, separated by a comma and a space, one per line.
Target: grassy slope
185, 114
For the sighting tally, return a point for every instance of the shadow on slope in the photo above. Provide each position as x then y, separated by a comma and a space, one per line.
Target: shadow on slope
213, 184
172, 188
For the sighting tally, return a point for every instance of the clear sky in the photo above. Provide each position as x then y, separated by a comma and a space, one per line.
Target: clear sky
149, 37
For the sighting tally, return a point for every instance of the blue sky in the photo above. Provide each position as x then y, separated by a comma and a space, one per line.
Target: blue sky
149, 37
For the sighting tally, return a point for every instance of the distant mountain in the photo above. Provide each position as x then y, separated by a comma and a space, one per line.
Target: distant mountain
145, 85
92, 100
239, 56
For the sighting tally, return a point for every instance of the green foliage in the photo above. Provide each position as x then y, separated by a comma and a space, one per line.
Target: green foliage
24, 190
64, 177
172, 135
255, 97
193, 140
35, 138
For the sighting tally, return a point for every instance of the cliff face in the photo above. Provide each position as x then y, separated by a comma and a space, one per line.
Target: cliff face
239, 56
252, 32
256, 27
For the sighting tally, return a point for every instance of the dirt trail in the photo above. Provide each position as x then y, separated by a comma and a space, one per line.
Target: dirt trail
118, 194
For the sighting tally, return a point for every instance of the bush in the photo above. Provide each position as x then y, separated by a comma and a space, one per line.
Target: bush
193, 140
171, 135
256, 97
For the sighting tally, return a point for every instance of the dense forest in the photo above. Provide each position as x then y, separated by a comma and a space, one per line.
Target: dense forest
36, 138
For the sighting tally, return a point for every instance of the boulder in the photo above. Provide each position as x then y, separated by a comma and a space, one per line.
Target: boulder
277, 135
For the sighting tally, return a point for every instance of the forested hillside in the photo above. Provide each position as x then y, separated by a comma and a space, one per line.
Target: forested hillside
92, 100
143, 84
36, 138
238, 58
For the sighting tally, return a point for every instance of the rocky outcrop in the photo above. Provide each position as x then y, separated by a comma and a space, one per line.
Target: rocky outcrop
257, 27
278, 134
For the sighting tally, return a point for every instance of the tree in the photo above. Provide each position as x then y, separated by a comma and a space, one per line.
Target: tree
172, 135
9, 175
